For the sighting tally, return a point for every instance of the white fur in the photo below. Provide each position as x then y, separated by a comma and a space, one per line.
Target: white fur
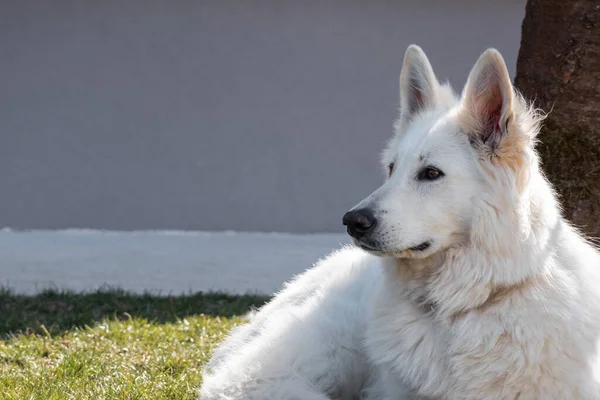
504, 304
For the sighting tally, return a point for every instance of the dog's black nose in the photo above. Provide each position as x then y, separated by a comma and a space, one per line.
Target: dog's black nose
359, 222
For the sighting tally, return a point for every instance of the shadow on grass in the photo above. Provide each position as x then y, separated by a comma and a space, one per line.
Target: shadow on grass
56, 311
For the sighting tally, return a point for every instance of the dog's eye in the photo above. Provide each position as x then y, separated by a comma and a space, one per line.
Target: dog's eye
430, 174
390, 168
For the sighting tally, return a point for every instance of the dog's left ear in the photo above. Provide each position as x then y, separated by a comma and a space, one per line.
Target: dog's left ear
488, 99
419, 86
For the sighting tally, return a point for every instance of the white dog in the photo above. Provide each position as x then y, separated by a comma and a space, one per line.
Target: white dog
469, 284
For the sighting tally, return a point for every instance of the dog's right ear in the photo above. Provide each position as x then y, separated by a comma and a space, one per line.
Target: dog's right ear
418, 83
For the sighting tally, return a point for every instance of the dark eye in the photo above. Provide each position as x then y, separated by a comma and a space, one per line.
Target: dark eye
430, 174
390, 168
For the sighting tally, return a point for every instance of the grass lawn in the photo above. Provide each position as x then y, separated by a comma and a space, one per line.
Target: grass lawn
111, 344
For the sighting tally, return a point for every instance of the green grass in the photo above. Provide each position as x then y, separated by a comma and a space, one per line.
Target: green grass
111, 344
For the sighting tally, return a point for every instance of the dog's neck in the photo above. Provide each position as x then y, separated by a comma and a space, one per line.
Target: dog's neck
506, 251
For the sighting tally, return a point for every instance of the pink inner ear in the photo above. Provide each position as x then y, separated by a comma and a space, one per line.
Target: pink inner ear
495, 118
490, 111
418, 100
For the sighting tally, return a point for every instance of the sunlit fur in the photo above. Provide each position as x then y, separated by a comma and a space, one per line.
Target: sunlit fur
504, 303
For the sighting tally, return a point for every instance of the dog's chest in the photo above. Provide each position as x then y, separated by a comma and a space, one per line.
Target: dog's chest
404, 336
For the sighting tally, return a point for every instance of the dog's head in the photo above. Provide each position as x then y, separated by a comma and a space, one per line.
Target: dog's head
449, 155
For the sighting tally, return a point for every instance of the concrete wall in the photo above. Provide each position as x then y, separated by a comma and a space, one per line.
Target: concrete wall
248, 115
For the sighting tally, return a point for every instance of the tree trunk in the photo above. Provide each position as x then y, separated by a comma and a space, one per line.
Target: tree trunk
559, 68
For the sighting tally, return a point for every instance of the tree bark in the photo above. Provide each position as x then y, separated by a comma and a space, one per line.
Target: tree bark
559, 68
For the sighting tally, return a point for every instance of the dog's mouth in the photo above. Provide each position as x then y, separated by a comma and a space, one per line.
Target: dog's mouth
378, 249
421, 247
368, 246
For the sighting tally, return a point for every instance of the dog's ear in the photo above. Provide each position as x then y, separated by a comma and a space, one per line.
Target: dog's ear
488, 99
418, 85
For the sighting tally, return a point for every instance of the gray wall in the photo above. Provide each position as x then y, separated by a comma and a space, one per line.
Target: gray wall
214, 115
